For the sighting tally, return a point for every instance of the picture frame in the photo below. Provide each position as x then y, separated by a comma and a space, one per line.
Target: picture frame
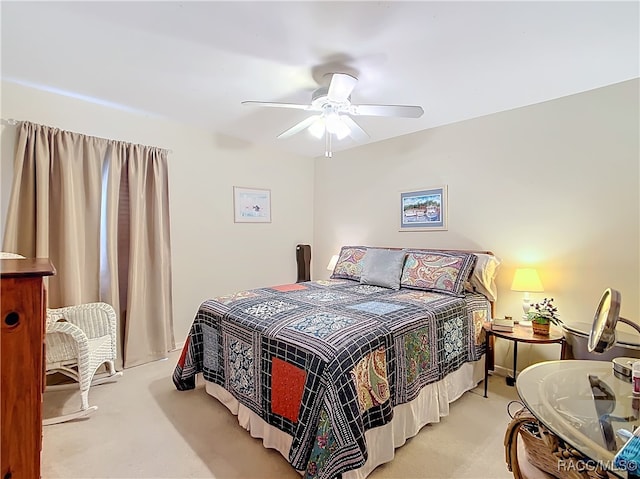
424, 210
251, 205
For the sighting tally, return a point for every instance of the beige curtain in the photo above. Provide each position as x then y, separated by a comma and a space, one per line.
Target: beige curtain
99, 209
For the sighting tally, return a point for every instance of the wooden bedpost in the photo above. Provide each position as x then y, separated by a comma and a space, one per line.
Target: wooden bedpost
303, 257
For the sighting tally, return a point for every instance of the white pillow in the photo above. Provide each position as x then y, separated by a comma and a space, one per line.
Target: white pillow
382, 267
484, 274
5, 255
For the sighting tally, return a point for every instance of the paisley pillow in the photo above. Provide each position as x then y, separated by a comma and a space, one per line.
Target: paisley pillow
349, 265
439, 271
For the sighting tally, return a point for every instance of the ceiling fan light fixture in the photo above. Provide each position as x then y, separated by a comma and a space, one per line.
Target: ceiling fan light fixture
336, 126
343, 132
317, 128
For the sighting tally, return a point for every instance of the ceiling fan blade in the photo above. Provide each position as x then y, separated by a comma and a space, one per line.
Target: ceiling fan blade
405, 111
298, 127
357, 133
296, 106
341, 87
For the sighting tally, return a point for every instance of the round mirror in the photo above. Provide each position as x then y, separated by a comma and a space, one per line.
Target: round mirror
603, 330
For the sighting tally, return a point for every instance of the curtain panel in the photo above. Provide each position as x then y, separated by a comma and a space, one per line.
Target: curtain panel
99, 209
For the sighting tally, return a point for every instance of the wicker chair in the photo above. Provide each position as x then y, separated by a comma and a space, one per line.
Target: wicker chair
80, 339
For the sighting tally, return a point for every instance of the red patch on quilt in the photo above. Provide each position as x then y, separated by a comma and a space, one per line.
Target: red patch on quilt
288, 287
287, 386
183, 355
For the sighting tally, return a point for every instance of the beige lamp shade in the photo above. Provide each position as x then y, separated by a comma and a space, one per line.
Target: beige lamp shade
332, 262
527, 280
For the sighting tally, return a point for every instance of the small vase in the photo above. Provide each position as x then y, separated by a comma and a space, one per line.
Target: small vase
540, 329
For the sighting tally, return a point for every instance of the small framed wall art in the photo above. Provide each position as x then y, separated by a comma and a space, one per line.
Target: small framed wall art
423, 210
251, 205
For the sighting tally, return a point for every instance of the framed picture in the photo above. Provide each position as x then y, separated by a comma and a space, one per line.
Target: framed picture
423, 210
251, 205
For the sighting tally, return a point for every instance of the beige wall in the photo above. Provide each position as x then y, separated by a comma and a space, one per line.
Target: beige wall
553, 185
211, 254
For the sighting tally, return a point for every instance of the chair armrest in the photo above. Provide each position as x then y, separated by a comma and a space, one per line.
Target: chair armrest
94, 319
60, 346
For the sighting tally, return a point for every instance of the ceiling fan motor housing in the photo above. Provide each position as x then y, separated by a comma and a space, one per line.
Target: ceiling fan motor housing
320, 99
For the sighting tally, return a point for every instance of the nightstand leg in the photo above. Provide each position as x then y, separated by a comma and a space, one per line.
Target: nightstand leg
512, 381
486, 362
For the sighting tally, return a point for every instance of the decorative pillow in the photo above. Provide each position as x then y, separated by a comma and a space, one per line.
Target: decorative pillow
483, 277
349, 264
440, 271
382, 267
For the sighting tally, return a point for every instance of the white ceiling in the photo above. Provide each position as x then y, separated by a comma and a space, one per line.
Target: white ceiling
194, 62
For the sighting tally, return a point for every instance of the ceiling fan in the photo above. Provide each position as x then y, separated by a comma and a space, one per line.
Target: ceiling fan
333, 112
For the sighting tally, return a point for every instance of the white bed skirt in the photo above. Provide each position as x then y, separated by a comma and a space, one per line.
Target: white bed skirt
431, 404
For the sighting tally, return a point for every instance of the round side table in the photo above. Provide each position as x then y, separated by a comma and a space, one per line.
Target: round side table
520, 334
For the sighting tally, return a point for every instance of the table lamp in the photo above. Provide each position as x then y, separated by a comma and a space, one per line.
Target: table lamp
332, 262
526, 280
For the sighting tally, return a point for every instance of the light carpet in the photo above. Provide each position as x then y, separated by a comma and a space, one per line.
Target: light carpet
145, 428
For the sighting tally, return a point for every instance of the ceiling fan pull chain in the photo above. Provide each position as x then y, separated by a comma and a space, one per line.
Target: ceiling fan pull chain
327, 149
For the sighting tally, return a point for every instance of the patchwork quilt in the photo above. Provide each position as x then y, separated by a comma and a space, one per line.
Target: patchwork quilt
326, 360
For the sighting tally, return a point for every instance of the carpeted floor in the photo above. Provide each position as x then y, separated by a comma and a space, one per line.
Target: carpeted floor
145, 428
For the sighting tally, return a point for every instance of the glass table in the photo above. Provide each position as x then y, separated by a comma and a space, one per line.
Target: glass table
583, 403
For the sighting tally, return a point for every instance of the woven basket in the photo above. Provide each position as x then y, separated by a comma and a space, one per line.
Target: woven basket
540, 329
546, 451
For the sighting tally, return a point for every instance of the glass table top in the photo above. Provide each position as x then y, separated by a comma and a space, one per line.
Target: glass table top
583, 403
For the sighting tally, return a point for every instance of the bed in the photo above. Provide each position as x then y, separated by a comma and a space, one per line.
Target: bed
335, 374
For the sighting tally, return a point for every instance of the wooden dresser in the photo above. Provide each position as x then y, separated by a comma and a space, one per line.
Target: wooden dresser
23, 304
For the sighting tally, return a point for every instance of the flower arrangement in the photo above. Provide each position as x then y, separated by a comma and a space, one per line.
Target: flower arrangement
544, 312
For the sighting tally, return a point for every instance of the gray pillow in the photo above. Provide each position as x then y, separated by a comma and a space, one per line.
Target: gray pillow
382, 267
